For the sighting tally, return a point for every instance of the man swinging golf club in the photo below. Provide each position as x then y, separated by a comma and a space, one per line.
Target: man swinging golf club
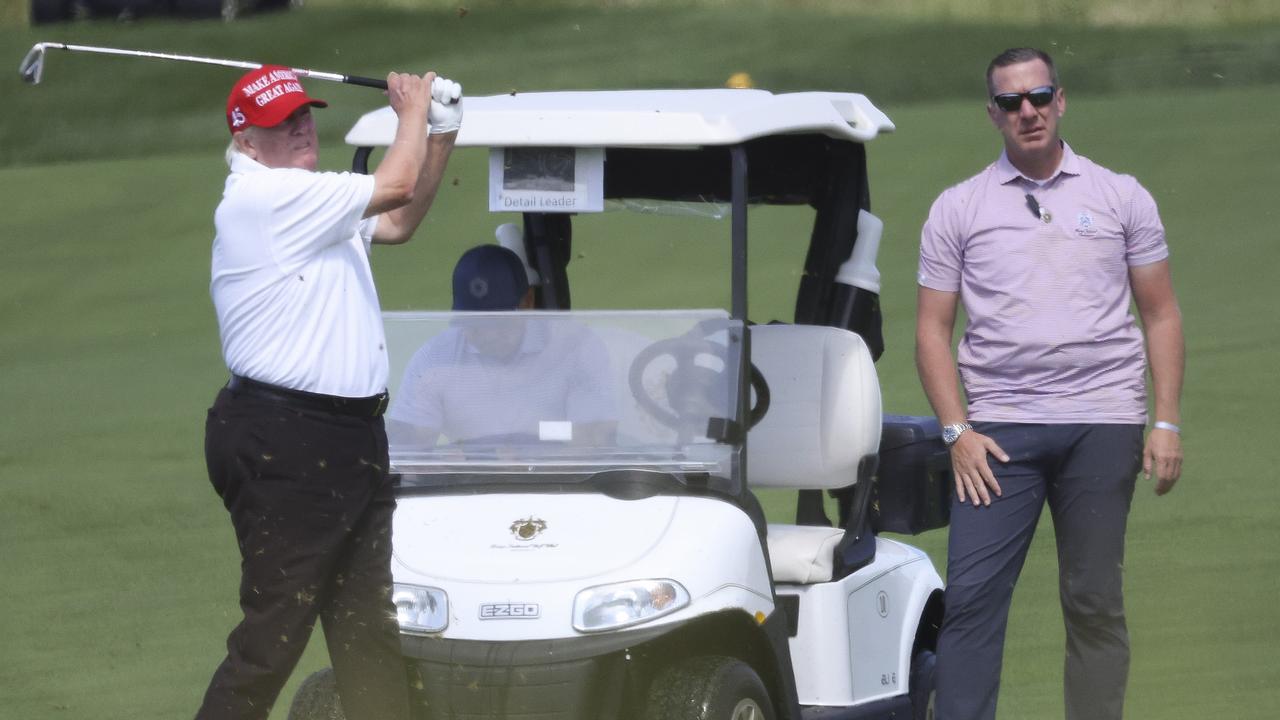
295, 442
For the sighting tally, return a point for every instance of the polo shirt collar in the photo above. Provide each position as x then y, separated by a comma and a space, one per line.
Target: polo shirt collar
241, 163
1007, 173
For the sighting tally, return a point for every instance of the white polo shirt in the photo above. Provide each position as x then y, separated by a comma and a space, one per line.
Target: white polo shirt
559, 372
291, 284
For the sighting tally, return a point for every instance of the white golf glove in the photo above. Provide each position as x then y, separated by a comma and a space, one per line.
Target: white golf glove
445, 115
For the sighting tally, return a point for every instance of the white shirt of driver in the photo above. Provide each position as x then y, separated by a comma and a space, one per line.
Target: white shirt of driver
292, 285
559, 372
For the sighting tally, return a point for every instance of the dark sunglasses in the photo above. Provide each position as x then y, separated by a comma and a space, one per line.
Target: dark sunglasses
1012, 102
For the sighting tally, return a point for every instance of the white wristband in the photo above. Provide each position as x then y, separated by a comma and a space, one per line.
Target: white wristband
1162, 425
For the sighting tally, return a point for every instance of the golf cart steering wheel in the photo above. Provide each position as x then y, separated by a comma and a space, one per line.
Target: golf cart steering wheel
688, 379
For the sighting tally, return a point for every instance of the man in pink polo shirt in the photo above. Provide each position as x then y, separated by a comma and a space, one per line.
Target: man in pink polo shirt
1045, 249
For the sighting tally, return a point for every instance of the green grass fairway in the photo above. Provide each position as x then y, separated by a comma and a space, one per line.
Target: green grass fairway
119, 566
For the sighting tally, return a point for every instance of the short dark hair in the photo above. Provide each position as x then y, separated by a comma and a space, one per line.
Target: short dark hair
1015, 56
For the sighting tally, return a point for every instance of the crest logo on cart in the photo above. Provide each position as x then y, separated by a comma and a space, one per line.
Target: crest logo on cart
528, 528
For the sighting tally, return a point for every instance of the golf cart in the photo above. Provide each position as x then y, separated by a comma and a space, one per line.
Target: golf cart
541, 572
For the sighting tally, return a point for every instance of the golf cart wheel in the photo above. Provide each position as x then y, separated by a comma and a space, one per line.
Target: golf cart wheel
317, 698
922, 689
708, 688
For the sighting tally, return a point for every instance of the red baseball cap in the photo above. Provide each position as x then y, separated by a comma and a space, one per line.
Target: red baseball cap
265, 97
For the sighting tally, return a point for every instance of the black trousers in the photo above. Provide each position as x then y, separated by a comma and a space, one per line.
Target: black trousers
310, 499
1086, 475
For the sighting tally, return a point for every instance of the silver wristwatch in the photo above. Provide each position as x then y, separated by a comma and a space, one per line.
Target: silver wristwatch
951, 433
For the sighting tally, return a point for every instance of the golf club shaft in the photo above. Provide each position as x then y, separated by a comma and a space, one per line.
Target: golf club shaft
334, 77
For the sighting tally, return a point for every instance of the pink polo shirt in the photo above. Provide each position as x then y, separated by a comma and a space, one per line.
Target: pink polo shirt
1049, 336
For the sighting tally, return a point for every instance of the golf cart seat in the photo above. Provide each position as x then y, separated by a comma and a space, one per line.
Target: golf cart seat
822, 426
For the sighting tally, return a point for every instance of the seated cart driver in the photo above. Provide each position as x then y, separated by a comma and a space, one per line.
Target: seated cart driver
503, 381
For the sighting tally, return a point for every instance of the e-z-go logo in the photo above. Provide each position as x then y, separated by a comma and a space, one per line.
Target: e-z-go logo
509, 611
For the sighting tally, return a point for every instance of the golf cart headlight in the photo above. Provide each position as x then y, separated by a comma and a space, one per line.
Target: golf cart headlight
420, 610
606, 607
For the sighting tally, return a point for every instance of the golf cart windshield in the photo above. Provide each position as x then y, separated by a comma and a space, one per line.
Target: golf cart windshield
528, 397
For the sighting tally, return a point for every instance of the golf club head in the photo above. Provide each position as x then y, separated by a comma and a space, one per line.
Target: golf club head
32, 67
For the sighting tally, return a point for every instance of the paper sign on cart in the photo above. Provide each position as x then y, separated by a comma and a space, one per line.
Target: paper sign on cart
546, 179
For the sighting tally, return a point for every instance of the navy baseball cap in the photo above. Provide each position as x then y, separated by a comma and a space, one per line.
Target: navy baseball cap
489, 277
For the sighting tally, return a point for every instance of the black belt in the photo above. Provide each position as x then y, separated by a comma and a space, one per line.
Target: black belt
370, 407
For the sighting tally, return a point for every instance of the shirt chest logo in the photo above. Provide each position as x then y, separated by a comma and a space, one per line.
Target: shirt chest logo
1084, 225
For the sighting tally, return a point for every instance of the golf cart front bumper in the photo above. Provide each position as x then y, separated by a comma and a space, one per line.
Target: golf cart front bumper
585, 678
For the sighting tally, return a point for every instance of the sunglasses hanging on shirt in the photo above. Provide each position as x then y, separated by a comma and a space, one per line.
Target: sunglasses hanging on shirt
1037, 209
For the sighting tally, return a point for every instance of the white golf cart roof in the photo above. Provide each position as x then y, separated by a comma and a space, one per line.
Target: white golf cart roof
645, 118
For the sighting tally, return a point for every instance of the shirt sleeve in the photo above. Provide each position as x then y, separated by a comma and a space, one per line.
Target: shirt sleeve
367, 227
941, 247
1144, 233
311, 211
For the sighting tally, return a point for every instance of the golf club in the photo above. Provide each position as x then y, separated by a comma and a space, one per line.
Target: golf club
32, 67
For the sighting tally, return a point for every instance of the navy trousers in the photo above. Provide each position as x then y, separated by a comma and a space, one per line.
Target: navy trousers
309, 497
1086, 473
